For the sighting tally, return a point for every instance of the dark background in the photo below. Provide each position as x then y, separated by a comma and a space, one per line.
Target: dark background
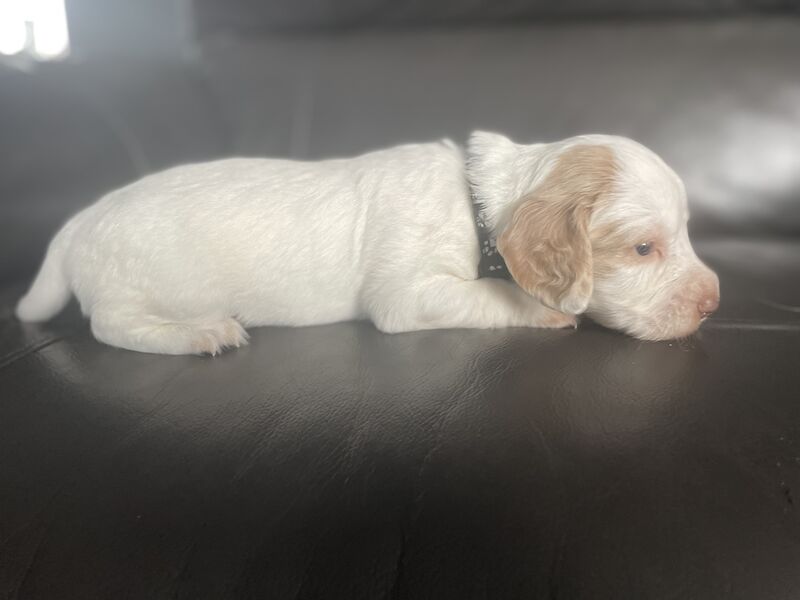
711, 86
337, 462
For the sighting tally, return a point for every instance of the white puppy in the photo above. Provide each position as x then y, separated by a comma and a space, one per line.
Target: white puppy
181, 261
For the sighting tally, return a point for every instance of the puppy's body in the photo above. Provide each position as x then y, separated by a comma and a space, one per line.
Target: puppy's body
273, 241
180, 261
276, 242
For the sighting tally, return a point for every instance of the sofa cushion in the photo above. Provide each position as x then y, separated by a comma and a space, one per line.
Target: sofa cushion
339, 462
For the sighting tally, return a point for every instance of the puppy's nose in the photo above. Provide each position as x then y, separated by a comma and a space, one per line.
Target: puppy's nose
708, 297
708, 305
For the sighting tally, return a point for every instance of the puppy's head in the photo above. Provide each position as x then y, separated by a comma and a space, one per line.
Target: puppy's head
597, 224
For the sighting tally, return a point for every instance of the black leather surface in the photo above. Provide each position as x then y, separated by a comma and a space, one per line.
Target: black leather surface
338, 462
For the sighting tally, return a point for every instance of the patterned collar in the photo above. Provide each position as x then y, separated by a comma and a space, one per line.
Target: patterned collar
491, 263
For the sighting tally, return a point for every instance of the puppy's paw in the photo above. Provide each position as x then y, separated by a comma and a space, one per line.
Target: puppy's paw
213, 338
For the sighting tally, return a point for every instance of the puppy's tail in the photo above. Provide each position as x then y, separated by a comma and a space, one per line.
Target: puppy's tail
50, 291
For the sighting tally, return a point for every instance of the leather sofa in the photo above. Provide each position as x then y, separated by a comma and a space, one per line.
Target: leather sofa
339, 462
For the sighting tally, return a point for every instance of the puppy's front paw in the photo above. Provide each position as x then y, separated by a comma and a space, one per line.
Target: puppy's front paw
553, 319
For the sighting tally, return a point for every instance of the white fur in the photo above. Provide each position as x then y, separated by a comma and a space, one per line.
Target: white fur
180, 261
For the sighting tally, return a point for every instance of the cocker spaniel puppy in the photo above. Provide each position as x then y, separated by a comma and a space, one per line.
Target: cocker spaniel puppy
182, 261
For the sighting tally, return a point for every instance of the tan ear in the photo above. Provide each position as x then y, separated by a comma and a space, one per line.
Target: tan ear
546, 245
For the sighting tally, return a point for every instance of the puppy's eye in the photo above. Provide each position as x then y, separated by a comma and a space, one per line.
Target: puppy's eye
644, 248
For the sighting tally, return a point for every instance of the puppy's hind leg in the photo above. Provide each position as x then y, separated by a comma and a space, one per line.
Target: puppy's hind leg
133, 328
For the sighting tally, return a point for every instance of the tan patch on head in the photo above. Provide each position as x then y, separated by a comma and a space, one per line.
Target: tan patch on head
546, 246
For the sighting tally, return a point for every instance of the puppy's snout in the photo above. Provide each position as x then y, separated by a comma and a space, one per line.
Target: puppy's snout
708, 301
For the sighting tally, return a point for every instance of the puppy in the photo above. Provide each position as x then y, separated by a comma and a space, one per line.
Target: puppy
182, 261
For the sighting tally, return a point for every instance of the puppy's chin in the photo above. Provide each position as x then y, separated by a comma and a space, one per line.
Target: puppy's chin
654, 335
652, 330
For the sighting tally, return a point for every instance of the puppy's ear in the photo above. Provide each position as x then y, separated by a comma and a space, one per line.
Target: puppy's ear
546, 245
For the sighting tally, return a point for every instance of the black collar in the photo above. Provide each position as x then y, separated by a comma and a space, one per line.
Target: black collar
491, 263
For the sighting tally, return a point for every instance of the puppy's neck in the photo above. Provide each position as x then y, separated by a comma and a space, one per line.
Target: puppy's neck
500, 173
